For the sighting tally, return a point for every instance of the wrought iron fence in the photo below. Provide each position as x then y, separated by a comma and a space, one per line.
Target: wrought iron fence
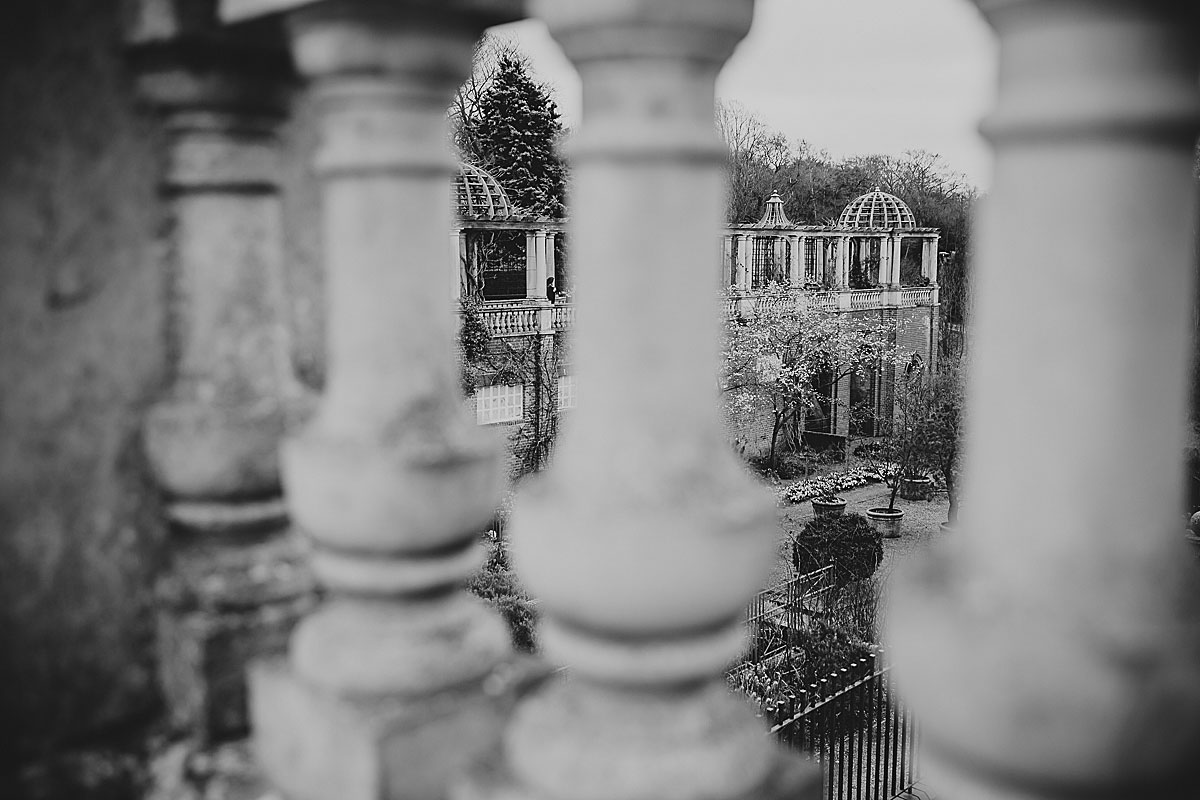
858, 729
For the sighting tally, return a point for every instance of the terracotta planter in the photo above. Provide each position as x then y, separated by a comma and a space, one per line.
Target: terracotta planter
821, 507
886, 521
916, 488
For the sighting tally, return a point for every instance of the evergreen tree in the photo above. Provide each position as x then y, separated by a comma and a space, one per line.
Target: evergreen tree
511, 132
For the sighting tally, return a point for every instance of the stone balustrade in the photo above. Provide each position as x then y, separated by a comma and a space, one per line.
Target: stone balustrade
1050, 652
519, 320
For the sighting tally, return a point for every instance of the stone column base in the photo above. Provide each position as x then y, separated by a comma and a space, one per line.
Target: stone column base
223, 606
794, 778
318, 745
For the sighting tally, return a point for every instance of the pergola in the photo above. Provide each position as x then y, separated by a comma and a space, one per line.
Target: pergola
492, 262
863, 250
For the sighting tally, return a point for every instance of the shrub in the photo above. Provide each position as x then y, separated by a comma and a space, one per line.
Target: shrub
847, 541
497, 584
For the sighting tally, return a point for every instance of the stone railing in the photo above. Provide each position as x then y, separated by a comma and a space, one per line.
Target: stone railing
920, 296
564, 316
1051, 652
824, 301
861, 299
511, 320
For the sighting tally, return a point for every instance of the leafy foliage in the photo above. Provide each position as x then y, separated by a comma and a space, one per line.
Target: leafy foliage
847, 541
787, 358
926, 438
497, 584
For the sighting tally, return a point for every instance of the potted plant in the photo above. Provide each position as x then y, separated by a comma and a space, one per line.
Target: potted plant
909, 449
828, 503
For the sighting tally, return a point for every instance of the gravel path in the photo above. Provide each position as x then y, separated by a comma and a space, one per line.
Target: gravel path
919, 527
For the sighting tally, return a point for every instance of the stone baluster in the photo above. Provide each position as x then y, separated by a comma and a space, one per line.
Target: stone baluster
1053, 651
236, 582
383, 695
646, 537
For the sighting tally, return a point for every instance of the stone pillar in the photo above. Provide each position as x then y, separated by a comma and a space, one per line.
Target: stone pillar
933, 261
531, 269
897, 257
925, 270
1052, 651
822, 257
461, 267
643, 711
743, 261
539, 266
885, 257
236, 582
796, 261
844, 262
383, 695
728, 259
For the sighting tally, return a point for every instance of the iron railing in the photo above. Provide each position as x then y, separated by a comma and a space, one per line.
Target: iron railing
855, 725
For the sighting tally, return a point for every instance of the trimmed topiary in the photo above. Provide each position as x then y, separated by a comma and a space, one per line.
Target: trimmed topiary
848, 541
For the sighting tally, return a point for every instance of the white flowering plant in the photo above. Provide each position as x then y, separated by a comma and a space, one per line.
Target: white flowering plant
787, 357
826, 487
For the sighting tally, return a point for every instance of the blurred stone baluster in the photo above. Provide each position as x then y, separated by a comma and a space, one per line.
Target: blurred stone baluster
1054, 652
384, 696
646, 538
236, 583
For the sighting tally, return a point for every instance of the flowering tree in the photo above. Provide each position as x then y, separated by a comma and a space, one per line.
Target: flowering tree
786, 357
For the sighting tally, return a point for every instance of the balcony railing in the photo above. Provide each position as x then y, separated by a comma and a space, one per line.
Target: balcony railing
861, 299
921, 296
510, 320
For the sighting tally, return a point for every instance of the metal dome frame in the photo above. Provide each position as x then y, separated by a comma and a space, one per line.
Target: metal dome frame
877, 209
478, 195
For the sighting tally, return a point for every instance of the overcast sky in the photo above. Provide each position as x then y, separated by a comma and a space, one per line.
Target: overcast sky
850, 76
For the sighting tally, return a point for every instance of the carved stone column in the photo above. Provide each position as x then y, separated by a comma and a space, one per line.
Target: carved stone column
383, 696
743, 261
539, 265
236, 583
647, 537
1053, 652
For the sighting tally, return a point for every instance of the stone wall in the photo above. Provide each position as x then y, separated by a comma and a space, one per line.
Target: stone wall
82, 355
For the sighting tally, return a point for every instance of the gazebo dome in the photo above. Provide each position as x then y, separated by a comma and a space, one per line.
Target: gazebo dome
773, 216
877, 209
478, 194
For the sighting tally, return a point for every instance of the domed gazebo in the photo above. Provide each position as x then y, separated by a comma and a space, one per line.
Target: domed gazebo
877, 209
502, 252
863, 250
